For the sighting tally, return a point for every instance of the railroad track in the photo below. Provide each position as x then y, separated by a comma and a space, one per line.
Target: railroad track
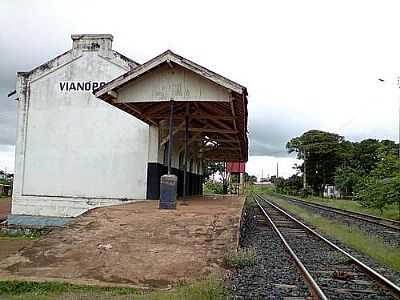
388, 223
329, 271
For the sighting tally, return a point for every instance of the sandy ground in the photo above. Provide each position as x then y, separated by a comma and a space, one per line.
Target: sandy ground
135, 244
9, 247
5, 207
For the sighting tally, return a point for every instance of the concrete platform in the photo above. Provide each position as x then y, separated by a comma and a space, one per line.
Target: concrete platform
37, 221
134, 244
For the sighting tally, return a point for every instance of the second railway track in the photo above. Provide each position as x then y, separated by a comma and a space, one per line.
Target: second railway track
329, 271
387, 230
391, 224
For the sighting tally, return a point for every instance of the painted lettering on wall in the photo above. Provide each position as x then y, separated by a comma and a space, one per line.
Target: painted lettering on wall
68, 86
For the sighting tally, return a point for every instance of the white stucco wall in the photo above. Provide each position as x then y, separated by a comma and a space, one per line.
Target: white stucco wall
74, 151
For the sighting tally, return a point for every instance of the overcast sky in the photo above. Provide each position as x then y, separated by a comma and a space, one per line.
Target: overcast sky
306, 64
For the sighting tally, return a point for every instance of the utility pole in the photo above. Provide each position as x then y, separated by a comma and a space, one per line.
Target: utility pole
277, 169
304, 171
398, 95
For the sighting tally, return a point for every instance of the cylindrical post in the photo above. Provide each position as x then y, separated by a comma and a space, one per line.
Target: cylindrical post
186, 154
399, 123
304, 171
398, 85
171, 135
241, 183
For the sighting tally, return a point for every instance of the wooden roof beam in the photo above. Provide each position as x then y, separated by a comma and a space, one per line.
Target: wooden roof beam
192, 116
233, 110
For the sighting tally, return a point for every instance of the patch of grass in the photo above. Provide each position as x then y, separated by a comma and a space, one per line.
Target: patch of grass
56, 290
259, 189
23, 233
245, 257
249, 203
207, 289
210, 288
349, 235
20, 237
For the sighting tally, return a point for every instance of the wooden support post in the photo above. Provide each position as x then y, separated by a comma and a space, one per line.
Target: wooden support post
186, 152
171, 135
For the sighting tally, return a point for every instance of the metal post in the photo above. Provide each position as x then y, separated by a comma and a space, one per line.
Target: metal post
186, 152
171, 134
398, 85
305, 171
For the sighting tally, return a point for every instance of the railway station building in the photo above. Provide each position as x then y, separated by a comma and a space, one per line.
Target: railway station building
94, 128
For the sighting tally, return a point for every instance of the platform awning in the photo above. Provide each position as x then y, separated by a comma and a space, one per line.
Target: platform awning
217, 106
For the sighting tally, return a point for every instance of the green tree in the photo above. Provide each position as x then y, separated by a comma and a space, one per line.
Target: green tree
348, 178
382, 186
250, 178
322, 152
366, 154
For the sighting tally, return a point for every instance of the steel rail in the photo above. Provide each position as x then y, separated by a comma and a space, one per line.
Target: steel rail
393, 288
315, 290
356, 215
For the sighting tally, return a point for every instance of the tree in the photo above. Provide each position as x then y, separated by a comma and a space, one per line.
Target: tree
382, 186
217, 167
348, 178
212, 167
366, 154
293, 185
322, 153
250, 178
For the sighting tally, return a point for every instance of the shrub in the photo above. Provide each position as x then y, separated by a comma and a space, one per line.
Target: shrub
213, 187
243, 258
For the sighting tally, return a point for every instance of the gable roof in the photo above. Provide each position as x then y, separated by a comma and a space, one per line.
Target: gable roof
224, 122
169, 57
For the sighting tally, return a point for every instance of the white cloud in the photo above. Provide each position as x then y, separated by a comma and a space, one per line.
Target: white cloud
7, 158
267, 166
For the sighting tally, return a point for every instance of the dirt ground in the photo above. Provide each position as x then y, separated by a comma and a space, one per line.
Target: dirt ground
9, 247
5, 207
135, 244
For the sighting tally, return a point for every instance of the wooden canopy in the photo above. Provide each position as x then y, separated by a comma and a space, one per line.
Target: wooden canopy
215, 105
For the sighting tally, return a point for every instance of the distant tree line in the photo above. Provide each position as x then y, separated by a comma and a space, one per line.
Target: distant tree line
368, 170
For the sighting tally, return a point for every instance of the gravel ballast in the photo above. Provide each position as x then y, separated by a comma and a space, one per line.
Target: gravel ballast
274, 276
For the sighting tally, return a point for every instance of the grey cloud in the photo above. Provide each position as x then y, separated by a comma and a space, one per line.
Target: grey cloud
269, 133
8, 118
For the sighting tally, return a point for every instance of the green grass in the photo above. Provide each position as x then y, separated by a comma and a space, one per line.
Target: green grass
245, 257
390, 212
210, 288
19, 237
14, 290
259, 189
349, 235
24, 234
